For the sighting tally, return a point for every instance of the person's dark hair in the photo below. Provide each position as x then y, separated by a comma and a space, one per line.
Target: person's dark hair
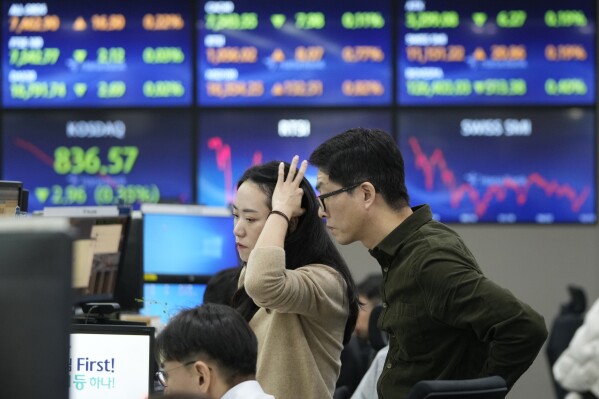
361, 154
210, 332
309, 243
222, 286
370, 287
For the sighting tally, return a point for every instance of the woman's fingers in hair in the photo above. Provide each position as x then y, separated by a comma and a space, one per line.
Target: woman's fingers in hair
296, 175
302, 171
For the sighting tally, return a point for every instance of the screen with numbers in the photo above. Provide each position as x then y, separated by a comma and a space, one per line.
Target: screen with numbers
98, 158
294, 52
505, 52
107, 53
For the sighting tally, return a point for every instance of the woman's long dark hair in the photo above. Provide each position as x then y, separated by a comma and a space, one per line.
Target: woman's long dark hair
308, 244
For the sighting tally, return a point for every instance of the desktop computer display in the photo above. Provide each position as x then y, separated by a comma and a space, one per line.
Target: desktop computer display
111, 361
166, 300
186, 240
98, 250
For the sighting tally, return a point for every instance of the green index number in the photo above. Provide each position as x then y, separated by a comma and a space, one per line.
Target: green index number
118, 164
309, 20
76, 160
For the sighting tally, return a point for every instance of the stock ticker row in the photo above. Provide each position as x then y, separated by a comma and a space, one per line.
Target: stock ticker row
113, 53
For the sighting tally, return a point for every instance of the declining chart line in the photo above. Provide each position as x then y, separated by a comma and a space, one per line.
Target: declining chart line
498, 192
225, 164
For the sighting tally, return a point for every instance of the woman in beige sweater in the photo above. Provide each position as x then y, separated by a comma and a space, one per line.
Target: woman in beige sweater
295, 289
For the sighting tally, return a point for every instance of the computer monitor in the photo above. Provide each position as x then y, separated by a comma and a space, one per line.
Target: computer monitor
98, 250
129, 288
166, 300
35, 297
111, 361
185, 243
10, 197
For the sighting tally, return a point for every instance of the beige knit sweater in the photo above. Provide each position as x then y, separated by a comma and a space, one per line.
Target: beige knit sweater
299, 325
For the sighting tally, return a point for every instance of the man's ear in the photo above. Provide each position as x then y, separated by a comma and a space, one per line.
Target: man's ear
204, 376
368, 194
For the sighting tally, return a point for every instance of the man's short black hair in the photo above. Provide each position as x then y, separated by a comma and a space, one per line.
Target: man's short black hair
359, 155
210, 332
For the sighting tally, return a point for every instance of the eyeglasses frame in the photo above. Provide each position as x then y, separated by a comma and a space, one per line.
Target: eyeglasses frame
162, 375
322, 197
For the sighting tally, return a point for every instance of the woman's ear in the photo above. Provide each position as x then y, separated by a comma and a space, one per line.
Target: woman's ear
294, 221
293, 224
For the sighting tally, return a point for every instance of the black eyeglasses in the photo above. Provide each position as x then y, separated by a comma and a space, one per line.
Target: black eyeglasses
322, 197
162, 375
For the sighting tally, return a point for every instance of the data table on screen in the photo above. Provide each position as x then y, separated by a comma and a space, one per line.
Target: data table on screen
294, 53
97, 53
491, 53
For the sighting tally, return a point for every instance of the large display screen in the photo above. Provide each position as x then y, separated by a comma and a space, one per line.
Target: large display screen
502, 165
232, 142
108, 53
294, 52
98, 157
488, 53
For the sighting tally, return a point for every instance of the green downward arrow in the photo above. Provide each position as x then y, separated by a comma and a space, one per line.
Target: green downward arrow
79, 55
277, 20
80, 89
479, 18
41, 193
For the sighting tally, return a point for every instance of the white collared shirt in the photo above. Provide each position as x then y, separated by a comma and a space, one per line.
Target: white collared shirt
247, 390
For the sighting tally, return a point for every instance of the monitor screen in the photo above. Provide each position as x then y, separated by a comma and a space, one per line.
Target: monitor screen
111, 361
11, 197
99, 157
502, 165
232, 141
110, 53
129, 289
36, 306
294, 52
488, 53
166, 300
99, 250
186, 241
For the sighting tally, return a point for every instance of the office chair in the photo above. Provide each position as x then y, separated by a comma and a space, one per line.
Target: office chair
341, 392
565, 324
477, 388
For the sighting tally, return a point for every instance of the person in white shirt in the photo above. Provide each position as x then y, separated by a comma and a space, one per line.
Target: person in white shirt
367, 387
577, 368
209, 350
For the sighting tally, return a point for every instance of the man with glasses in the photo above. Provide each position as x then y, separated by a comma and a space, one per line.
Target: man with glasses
444, 318
209, 350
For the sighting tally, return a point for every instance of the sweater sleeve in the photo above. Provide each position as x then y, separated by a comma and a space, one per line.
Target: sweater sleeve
308, 290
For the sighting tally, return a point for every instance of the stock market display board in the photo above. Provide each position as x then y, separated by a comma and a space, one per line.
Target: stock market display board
97, 53
509, 52
294, 52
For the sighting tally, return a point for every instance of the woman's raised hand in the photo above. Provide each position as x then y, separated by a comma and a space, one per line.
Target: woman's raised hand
287, 197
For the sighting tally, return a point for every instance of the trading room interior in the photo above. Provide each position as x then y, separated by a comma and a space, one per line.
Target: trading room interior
125, 126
